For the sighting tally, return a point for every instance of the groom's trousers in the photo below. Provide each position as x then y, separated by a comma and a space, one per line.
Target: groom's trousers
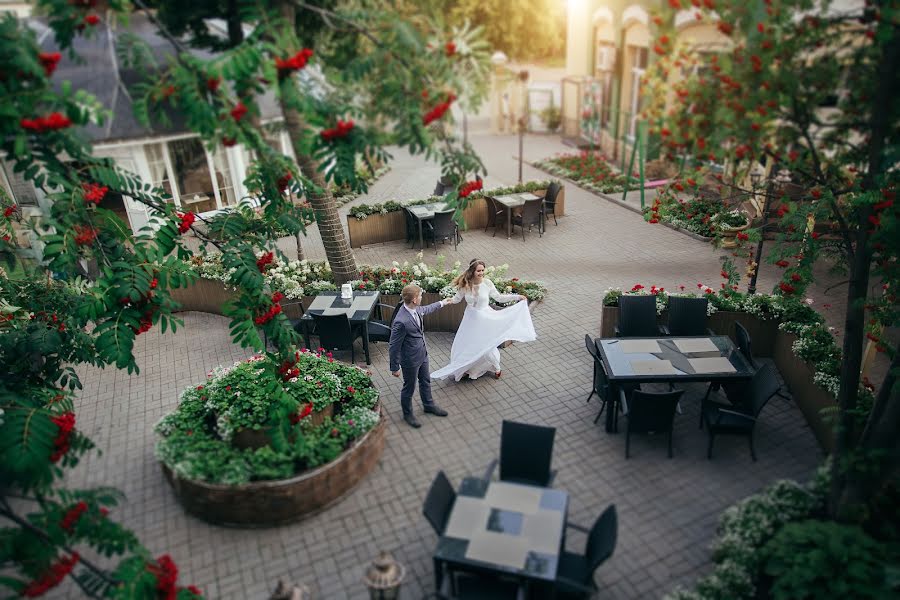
422, 374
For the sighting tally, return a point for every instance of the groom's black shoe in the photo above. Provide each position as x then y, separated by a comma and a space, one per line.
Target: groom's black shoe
436, 410
412, 421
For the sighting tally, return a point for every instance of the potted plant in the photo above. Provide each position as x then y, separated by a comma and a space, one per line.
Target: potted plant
729, 224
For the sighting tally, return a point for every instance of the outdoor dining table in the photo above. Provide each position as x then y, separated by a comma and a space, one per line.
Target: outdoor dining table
511, 201
669, 360
501, 527
358, 309
425, 212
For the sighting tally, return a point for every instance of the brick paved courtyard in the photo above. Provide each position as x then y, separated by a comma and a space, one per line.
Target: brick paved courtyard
667, 508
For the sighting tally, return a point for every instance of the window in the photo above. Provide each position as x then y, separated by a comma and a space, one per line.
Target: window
195, 186
159, 174
224, 180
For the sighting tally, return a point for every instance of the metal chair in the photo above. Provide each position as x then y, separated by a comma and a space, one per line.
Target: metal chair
742, 336
335, 333
443, 227
651, 412
549, 207
739, 418
637, 317
575, 573
602, 386
525, 454
412, 227
380, 329
687, 316
476, 586
494, 212
530, 216
439, 502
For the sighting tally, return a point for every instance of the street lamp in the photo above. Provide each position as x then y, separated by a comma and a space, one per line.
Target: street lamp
780, 180
523, 118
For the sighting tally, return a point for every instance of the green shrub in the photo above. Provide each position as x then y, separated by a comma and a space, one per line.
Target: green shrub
823, 559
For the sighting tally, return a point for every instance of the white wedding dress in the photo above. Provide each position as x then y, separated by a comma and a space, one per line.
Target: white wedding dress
474, 350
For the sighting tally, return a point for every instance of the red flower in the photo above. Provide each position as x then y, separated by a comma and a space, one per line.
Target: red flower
470, 187
212, 84
350, 389
872, 337
51, 122
782, 263
297, 417
743, 236
65, 423
277, 297
153, 283
49, 60
84, 235
9, 211
675, 4
334, 432
194, 590
91, 20
228, 141
816, 193
72, 515
51, 577
341, 130
450, 48
725, 27
286, 66
438, 111
93, 192
187, 219
796, 277
874, 220
883, 205
786, 288
760, 28
653, 220
263, 261
166, 573
637, 287
238, 112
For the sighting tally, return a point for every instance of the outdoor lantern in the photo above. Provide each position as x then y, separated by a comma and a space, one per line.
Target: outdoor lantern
384, 576
756, 175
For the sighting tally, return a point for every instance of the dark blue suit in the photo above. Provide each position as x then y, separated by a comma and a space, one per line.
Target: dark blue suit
409, 355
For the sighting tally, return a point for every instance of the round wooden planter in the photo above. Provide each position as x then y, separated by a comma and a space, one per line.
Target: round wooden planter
271, 503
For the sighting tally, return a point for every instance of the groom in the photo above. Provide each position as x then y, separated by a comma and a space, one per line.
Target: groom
408, 353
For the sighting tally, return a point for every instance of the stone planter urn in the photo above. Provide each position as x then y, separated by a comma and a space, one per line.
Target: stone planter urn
729, 234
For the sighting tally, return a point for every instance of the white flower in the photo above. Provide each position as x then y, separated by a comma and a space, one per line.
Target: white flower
809, 301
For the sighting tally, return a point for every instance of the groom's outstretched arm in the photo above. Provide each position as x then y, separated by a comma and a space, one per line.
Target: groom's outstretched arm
398, 334
430, 308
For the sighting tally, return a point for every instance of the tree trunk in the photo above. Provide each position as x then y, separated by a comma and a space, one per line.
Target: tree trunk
337, 247
850, 482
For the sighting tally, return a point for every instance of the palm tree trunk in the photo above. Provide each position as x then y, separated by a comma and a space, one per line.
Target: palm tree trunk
337, 247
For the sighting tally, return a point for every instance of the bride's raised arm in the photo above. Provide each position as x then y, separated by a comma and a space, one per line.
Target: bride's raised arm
496, 295
460, 294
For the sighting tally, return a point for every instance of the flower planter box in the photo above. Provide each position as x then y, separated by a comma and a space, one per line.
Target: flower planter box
271, 503
768, 341
762, 332
810, 398
204, 295
391, 227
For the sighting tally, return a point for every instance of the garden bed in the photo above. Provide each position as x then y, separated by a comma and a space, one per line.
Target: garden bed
271, 503
589, 170
302, 280
268, 441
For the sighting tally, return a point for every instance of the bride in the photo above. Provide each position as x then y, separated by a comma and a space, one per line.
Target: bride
474, 350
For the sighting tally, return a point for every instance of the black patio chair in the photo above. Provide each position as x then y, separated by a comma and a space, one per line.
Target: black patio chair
549, 207
439, 502
412, 227
335, 333
494, 214
443, 227
443, 186
687, 316
637, 317
575, 573
526, 452
602, 386
380, 329
742, 336
651, 412
530, 216
739, 418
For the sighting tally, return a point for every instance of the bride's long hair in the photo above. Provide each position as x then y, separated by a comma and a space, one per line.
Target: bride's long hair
465, 279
